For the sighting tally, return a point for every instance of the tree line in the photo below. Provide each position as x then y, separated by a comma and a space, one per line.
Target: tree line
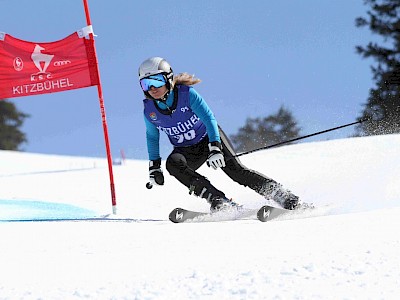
11, 120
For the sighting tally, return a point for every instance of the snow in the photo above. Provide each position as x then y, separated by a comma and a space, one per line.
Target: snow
349, 250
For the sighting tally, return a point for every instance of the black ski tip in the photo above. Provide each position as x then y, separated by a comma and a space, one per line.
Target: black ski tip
264, 213
177, 215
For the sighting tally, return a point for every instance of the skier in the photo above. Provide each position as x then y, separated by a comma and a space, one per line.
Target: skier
173, 106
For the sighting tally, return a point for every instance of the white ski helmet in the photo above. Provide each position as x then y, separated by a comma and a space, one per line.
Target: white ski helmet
157, 65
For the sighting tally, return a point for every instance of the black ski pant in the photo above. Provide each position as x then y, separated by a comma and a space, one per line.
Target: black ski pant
183, 162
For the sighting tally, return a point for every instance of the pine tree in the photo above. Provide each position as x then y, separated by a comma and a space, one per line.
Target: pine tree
383, 105
11, 137
261, 132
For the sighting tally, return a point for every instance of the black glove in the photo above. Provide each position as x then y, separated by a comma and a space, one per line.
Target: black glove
155, 172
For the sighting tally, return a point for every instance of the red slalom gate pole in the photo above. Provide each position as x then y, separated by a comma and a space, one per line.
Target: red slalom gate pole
103, 115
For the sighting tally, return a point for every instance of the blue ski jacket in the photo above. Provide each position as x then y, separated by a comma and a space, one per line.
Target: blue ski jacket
189, 123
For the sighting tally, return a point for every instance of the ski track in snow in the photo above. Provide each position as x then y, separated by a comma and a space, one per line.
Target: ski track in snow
347, 249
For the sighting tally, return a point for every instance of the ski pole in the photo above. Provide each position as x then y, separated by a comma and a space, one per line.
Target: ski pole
302, 137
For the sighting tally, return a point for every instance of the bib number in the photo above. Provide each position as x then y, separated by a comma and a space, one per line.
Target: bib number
187, 136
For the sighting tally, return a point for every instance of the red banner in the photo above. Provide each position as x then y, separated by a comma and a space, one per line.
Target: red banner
28, 68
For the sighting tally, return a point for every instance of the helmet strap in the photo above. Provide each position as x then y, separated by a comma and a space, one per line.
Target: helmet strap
169, 109
163, 99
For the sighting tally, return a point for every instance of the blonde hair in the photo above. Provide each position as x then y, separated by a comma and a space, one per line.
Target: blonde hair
185, 79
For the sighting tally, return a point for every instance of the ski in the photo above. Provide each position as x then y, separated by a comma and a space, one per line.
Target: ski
180, 215
264, 214
267, 213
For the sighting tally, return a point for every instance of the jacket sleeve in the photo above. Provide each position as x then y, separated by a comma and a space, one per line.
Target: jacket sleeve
153, 140
202, 110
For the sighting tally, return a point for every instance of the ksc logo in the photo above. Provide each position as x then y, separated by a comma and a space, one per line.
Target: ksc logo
42, 62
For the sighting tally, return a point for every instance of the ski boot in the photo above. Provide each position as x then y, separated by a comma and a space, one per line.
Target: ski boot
285, 198
222, 203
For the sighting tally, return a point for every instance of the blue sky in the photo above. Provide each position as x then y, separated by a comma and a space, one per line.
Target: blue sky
252, 56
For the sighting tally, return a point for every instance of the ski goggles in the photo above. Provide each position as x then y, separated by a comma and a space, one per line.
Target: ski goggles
157, 81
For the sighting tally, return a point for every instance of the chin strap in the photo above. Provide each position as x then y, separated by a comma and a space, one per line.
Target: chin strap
147, 95
163, 100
